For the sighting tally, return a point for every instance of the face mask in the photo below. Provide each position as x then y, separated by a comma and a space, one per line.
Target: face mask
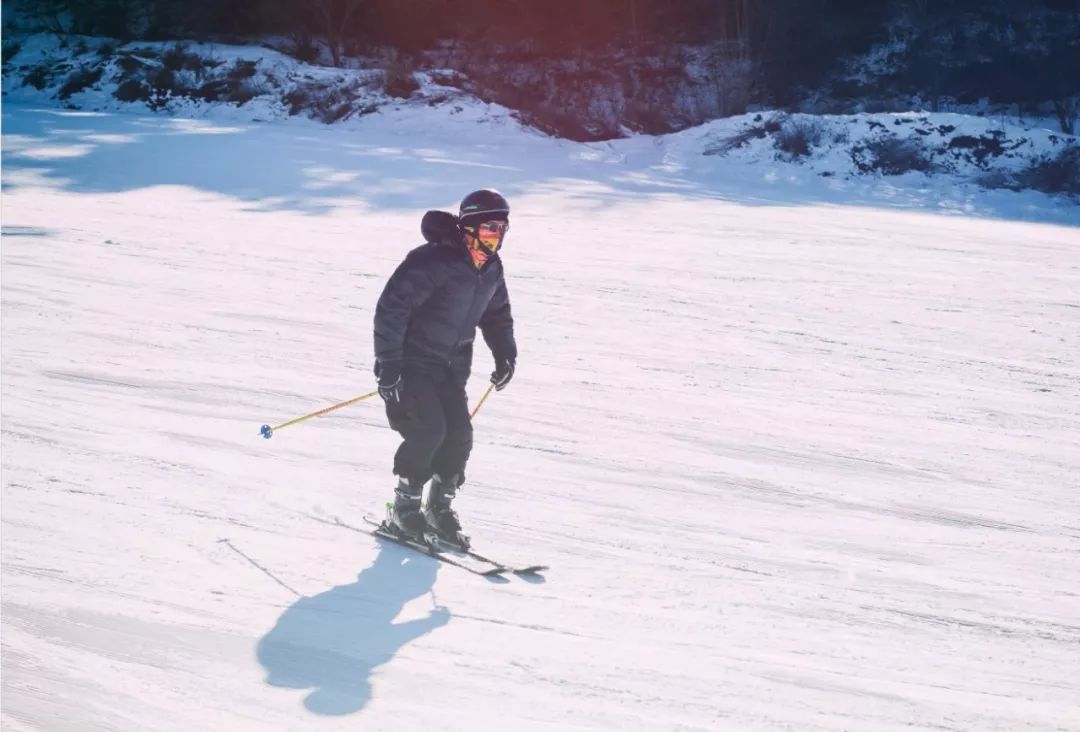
484, 240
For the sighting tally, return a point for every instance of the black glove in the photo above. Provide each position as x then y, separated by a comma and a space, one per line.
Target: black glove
390, 382
504, 371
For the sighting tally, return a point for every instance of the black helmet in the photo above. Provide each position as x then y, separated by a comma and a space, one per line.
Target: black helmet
486, 203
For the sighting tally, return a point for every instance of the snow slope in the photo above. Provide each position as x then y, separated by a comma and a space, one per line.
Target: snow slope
801, 455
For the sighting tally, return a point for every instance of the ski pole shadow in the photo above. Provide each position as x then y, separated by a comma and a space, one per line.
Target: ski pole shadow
332, 642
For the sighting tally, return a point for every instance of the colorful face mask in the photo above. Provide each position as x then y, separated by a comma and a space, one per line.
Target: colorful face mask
484, 240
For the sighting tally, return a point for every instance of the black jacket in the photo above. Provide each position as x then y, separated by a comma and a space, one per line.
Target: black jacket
430, 308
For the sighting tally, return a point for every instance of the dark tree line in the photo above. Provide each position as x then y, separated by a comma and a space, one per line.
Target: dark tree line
552, 26
793, 42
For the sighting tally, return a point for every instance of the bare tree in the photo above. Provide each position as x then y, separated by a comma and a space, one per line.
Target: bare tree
54, 15
336, 16
1067, 109
742, 26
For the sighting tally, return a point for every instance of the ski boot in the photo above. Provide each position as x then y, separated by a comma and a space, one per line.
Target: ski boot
443, 525
405, 516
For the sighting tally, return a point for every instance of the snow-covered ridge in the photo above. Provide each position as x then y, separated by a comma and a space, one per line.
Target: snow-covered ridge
990, 152
251, 83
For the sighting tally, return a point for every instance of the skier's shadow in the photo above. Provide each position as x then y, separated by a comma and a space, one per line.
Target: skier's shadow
332, 642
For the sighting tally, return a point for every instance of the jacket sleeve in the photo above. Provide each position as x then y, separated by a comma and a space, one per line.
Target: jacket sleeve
407, 289
497, 325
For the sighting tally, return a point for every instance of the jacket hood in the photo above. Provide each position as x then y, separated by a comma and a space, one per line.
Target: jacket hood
441, 227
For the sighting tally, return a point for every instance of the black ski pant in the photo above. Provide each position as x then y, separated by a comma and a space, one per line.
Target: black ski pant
433, 419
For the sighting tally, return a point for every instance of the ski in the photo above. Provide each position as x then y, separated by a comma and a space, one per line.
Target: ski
383, 532
468, 552
441, 547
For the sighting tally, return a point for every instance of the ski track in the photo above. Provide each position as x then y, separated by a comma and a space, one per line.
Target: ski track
794, 467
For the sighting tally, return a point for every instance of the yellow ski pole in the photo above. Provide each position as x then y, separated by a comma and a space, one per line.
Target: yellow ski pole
482, 400
267, 431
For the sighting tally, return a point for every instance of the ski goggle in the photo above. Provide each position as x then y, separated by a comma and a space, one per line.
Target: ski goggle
493, 228
489, 234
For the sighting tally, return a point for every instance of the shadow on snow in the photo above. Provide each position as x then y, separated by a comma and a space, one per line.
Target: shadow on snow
332, 642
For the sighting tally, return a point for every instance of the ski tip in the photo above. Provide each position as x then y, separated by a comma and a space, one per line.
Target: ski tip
534, 569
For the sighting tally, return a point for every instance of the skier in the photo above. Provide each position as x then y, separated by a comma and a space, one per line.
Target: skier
425, 324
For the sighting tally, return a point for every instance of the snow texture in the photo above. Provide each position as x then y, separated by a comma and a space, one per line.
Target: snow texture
802, 452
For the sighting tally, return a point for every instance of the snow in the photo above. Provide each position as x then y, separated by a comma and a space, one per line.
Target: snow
801, 452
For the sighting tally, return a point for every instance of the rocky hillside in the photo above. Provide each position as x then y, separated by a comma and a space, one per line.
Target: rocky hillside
596, 71
256, 83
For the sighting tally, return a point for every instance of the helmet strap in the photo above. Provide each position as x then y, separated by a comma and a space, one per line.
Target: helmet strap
478, 251
479, 256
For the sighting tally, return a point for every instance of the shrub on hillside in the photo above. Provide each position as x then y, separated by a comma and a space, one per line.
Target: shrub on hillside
132, 91
305, 48
129, 64
797, 138
398, 78
163, 81
79, 81
213, 91
326, 103
179, 58
10, 50
741, 138
1057, 174
891, 155
979, 149
241, 70
297, 99
774, 124
241, 94
38, 77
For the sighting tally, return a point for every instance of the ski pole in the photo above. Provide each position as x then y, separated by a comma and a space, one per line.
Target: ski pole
267, 431
482, 400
